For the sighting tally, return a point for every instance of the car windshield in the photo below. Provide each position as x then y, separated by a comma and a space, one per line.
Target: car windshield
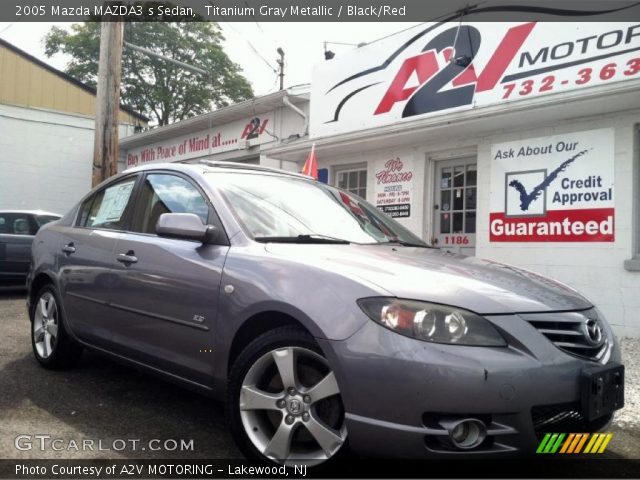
283, 208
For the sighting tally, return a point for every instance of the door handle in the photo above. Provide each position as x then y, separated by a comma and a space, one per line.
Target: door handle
127, 258
69, 248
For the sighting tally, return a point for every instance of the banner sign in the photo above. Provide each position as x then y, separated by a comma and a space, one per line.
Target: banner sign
553, 189
440, 68
236, 135
394, 187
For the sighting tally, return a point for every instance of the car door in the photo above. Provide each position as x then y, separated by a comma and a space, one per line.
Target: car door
16, 236
87, 259
165, 298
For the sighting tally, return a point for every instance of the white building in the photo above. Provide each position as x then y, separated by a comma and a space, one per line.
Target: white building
520, 146
236, 133
46, 133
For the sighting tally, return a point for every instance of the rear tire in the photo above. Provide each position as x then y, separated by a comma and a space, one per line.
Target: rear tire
52, 345
284, 404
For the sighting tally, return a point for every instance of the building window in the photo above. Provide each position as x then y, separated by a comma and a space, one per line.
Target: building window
353, 180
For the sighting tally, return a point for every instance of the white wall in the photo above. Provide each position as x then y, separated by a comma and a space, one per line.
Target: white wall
374, 161
595, 269
283, 123
45, 158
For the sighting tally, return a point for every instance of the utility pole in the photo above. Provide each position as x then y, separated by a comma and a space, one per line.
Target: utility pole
105, 147
281, 65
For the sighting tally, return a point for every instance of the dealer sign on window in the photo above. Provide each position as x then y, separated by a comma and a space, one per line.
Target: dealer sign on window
394, 186
553, 189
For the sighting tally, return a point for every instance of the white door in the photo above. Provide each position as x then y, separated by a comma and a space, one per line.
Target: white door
454, 216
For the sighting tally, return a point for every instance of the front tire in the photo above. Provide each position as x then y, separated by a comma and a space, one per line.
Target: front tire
284, 403
52, 346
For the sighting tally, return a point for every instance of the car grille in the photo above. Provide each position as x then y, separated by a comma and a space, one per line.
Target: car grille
566, 330
563, 417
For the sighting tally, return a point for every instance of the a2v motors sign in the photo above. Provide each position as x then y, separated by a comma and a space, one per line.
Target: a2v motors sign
553, 189
445, 67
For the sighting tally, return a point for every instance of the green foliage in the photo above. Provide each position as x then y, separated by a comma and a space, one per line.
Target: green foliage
158, 89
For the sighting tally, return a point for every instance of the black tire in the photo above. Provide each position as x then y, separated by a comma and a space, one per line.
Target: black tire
287, 336
65, 352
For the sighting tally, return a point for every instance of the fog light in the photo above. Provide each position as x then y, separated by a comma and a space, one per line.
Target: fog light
467, 434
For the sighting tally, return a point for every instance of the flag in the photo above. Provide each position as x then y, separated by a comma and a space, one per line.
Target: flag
311, 165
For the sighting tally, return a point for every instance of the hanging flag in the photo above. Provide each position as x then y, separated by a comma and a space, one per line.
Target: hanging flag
311, 165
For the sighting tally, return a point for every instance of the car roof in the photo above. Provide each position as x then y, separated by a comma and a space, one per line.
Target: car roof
205, 166
32, 212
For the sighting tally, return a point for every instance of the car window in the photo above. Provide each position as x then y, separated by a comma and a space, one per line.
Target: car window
106, 208
15, 224
44, 219
163, 193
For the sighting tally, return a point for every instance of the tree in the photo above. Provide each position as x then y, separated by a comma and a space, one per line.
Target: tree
158, 89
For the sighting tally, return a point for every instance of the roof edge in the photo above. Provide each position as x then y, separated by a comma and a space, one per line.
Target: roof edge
65, 76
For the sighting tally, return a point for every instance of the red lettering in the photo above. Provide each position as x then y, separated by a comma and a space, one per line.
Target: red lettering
424, 66
503, 56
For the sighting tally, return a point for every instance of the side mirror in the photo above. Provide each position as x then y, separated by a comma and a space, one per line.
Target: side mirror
185, 226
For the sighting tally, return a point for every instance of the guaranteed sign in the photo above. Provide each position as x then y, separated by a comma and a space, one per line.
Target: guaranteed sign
553, 189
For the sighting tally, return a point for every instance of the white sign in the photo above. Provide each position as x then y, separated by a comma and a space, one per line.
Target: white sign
419, 73
232, 136
553, 189
394, 186
113, 203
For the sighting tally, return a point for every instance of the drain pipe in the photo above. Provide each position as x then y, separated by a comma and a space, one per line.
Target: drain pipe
288, 103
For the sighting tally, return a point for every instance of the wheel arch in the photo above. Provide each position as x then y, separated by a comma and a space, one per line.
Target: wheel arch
257, 324
39, 281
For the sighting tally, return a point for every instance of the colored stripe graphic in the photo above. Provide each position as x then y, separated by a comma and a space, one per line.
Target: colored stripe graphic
543, 443
605, 442
592, 441
582, 441
567, 443
573, 443
558, 442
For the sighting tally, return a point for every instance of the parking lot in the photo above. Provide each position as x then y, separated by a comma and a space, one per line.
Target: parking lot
111, 404
100, 400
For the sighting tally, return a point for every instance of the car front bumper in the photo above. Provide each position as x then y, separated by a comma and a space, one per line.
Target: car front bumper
397, 391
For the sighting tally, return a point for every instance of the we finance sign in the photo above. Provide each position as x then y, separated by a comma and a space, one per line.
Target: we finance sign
446, 67
553, 189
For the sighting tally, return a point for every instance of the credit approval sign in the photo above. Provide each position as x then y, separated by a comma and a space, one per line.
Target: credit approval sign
553, 189
439, 68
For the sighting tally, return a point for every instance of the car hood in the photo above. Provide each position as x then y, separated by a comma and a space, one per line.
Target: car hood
434, 275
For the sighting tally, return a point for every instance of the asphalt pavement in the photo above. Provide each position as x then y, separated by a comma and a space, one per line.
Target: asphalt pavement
107, 404
99, 400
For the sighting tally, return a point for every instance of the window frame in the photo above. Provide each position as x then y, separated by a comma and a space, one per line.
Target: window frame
126, 214
214, 218
342, 169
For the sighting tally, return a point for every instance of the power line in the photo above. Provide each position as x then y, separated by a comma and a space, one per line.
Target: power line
435, 19
255, 50
6, 28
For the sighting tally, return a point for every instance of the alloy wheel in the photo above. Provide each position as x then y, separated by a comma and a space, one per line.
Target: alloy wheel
290, 407
45, 325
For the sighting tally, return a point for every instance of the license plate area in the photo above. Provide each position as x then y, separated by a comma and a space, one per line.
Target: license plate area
602, 390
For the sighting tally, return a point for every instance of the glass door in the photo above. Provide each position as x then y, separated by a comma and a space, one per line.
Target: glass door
454, 216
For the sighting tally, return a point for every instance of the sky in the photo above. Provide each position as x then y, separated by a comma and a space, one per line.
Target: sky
303, 44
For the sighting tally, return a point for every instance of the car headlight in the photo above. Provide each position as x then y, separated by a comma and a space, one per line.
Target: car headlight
431, 322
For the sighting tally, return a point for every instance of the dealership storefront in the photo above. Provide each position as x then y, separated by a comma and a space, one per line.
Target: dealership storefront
520, 145
235, 133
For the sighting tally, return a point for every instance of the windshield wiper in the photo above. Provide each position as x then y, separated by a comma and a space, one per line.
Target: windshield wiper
397, 241
306, 238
